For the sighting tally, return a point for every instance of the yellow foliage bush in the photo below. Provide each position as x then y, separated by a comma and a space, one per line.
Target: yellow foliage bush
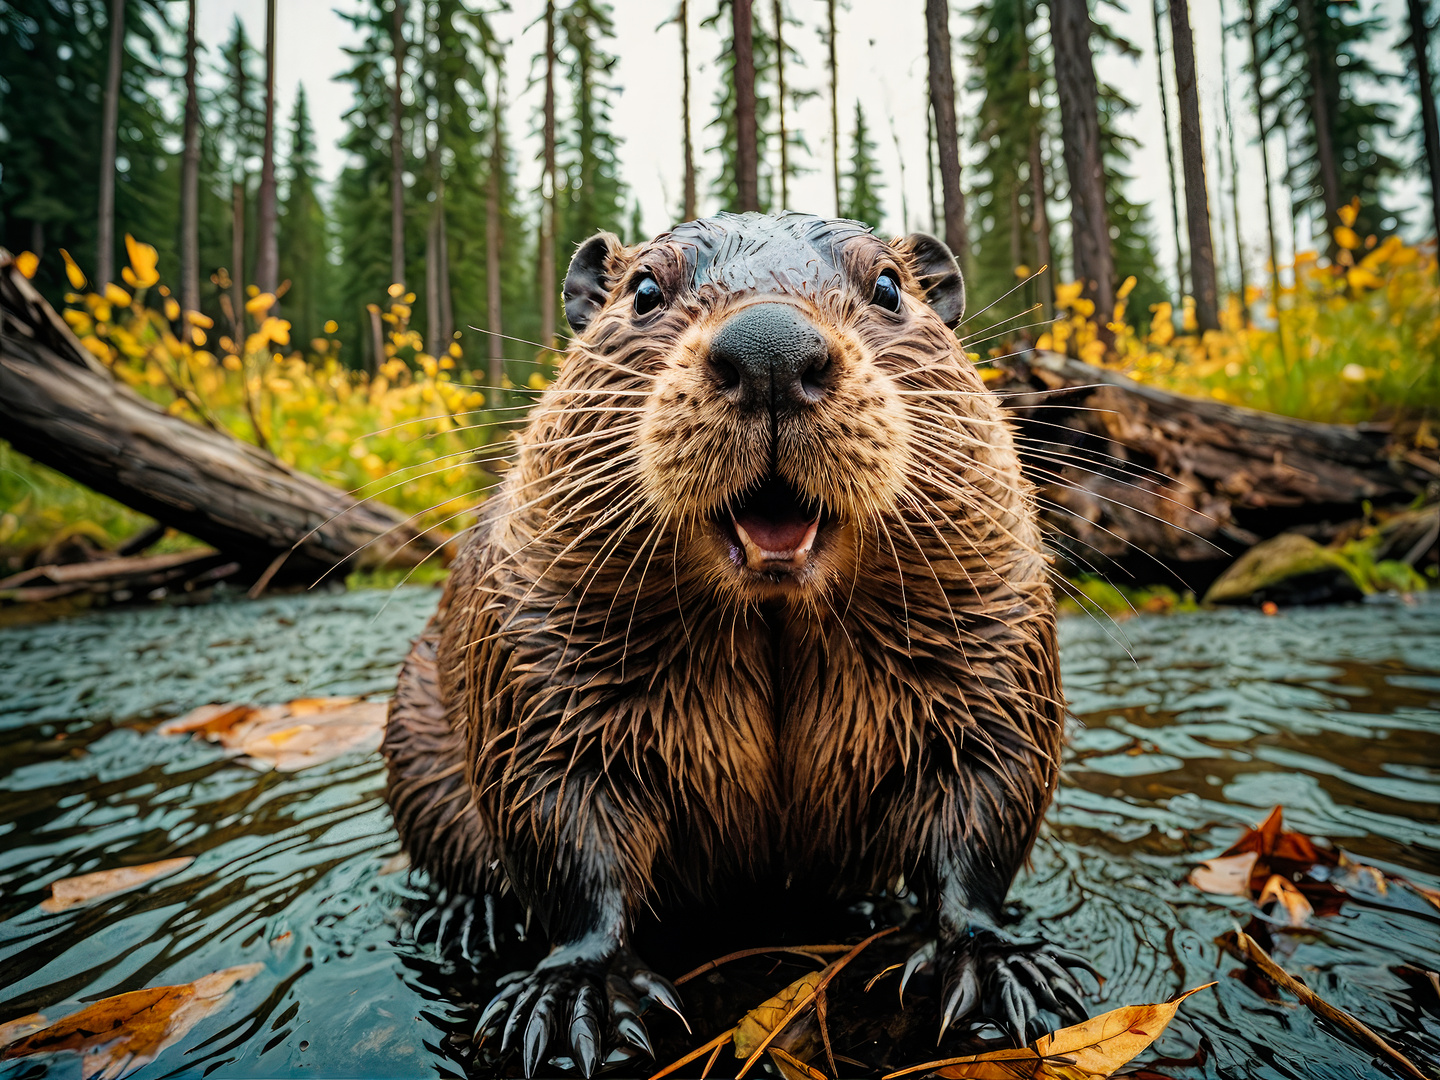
1353, 339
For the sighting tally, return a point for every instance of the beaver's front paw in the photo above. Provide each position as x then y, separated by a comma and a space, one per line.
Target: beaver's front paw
577, 999
1008, 982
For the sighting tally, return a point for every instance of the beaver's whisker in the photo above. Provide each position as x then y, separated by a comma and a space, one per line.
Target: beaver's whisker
1001, 298
523, 341
468, 510
920, 550
968, 339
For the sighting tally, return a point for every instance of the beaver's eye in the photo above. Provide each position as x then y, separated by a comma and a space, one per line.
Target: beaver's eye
887, 291
647, 296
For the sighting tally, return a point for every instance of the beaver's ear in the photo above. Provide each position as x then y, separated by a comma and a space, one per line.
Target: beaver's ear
587, 282
939, 276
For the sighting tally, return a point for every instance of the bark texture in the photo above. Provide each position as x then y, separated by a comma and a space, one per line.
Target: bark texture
546, 259
747, 150
1420, 47
947, 134
689, 210
1166, 485
190, 179
105, 227
1070, 31
397, 149
1192, 156
59, 406
267, 250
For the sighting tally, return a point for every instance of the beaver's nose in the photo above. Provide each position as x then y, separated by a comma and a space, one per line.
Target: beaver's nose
768, 356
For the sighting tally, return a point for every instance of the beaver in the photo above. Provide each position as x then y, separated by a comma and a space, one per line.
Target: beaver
763, 590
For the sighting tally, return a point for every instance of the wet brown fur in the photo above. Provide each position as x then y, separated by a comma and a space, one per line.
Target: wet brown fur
604, 707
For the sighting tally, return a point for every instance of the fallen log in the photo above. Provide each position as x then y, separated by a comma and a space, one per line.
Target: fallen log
62, 408
1163, 486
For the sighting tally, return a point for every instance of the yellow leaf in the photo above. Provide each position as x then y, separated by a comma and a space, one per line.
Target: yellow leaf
260, 303
1088, 1051
396, 290
1345, 237
172, 308
143, 260
27, 262
67, 892
1022, 271
122, 1033
755, 1025
331, 326
116, 295
72, 271
1067, 292
1126, 287
1292, 900
1349, 212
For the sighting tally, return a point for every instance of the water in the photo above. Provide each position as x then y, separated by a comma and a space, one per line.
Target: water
1193, 727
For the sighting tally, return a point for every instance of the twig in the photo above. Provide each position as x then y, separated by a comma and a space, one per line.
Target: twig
713, 1045
1250, 950
800, 950
804, 1001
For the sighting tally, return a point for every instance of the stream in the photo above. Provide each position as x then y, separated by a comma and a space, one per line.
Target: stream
1191, 728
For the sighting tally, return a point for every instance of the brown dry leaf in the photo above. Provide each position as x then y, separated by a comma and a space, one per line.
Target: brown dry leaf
791, 1067
1088, 1051
68, 892
1273, 843
1297, 908
761, 1020
290, 737
120, 1034
1229, 875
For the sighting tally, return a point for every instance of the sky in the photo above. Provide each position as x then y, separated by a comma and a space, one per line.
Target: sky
882, 64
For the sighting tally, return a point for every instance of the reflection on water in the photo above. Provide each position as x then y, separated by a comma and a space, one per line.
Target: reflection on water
1192, 727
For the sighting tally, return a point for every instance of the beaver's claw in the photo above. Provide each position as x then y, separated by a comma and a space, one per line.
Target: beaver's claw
572, 1004
1006, 981
460, 920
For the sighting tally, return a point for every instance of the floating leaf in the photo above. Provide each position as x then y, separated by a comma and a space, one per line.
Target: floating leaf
1292, 900
305, 732
1229, 875
792, 1068
1088, 1051
67, 892
122, 1033
760, 1021
12, 1030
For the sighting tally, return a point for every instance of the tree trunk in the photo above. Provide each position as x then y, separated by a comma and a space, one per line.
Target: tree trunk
929, 166
433, 343
1243, 281
1192, 155
61, 407
1169, 152
1420, 45
190, 181
947, 134
397, 150
835, 106
1258, 82
779, 9
1070, 31
267, 252
1040, 222
493, 240
547, 191
690, 210
1321, 113
237, 258
105, 230
447, 311
747, 148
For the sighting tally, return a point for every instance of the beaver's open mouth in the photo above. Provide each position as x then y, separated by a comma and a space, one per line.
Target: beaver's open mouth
772, 527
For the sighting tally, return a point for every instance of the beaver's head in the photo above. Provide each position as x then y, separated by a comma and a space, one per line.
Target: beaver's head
772, 386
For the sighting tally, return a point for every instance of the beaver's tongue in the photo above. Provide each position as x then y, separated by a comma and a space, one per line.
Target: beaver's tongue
774, 529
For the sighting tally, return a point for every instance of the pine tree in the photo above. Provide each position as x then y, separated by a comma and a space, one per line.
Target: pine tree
190, 172
1192, 153
1009, 224
862, 180
1314, 53
1422, 78
267, 258
53, 68
726, 187
303, 239
592, 196
362, 195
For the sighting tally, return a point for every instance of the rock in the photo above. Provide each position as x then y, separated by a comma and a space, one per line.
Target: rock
1288, 568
